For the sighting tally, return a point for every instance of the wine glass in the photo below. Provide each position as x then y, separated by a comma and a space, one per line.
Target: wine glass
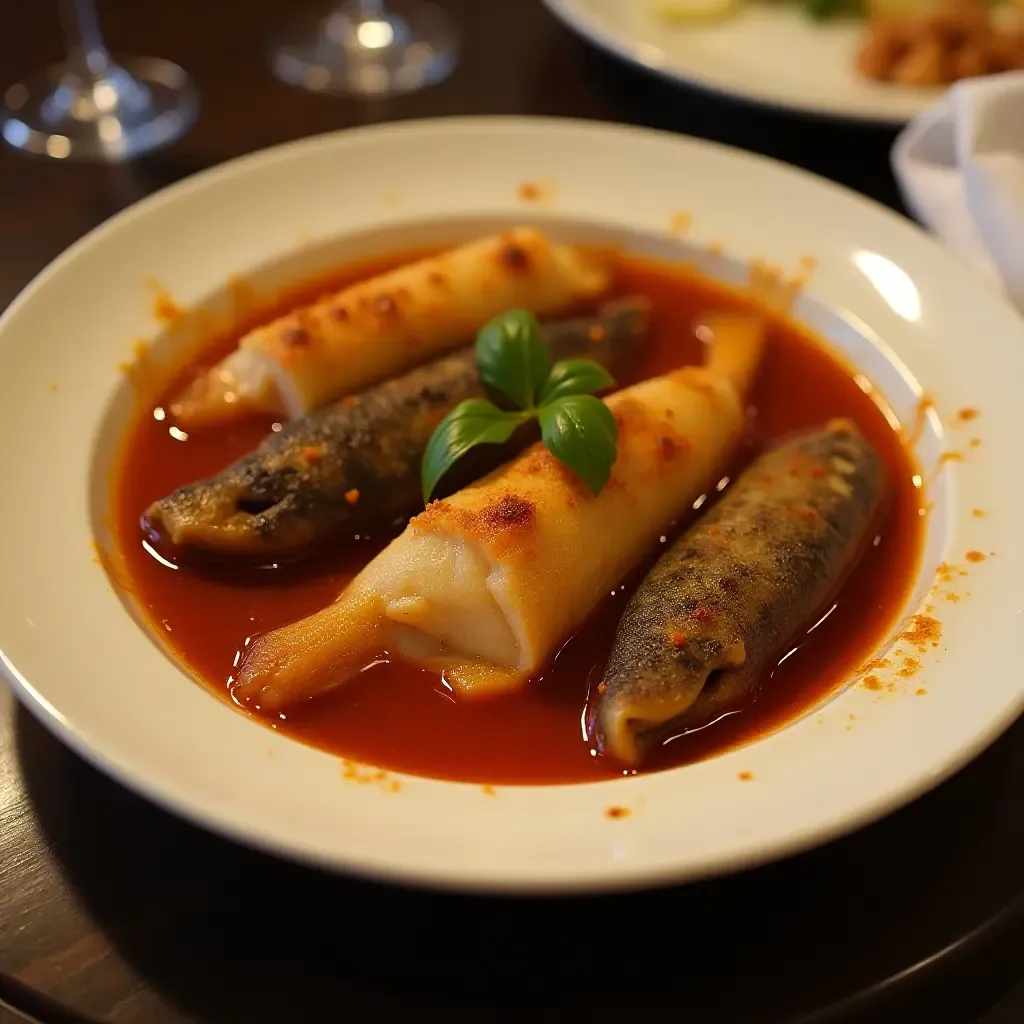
93, 108
369, 48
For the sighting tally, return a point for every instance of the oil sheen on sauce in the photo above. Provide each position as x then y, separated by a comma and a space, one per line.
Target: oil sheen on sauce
407, 719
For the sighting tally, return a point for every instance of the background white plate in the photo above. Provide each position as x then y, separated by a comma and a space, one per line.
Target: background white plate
769, 53
883, 292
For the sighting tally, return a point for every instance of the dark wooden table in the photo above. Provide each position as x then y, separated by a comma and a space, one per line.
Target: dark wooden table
111, 910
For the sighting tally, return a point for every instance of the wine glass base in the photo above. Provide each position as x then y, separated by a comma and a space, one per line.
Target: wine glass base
133, 108
410, 45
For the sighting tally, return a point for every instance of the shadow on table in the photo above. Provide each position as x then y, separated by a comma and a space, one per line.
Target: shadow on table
229, 934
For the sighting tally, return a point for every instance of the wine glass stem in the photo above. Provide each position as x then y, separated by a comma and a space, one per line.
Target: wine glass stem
87, 55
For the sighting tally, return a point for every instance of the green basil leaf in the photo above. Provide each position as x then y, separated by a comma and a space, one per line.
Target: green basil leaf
580, 431
475, 421
575, 377
513, 358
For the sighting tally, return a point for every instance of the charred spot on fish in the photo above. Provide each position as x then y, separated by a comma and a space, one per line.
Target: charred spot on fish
668, 448
510, 512
428, 393
340, 314
296, 337
515, 258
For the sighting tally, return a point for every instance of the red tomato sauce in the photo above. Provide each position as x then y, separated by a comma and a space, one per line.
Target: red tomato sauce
403, 718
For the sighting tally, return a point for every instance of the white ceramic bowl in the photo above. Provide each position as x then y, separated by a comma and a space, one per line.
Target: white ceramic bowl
887, 296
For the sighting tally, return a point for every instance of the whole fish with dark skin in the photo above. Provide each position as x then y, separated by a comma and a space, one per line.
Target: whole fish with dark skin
354, 465
718, 606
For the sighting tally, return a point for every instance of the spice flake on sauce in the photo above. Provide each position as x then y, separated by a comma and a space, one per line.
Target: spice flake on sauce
680, 223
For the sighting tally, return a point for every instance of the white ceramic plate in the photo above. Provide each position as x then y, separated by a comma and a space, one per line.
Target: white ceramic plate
769, 53
884, 293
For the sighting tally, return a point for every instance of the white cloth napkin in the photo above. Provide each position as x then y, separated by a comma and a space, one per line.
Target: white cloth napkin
960, 166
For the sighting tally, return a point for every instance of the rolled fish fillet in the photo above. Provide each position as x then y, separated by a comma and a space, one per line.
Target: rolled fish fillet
381, 327
713, 613
485, 584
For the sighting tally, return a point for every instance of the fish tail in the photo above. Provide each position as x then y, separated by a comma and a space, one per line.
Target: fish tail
310, 656
735, 343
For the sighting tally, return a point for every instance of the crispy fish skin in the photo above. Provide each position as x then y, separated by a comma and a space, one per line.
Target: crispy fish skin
720, 603
355, 465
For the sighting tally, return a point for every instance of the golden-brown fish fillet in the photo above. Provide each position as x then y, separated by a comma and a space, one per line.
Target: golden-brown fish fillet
378, 328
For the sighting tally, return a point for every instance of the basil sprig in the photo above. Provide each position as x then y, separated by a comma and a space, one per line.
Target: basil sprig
514, 361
